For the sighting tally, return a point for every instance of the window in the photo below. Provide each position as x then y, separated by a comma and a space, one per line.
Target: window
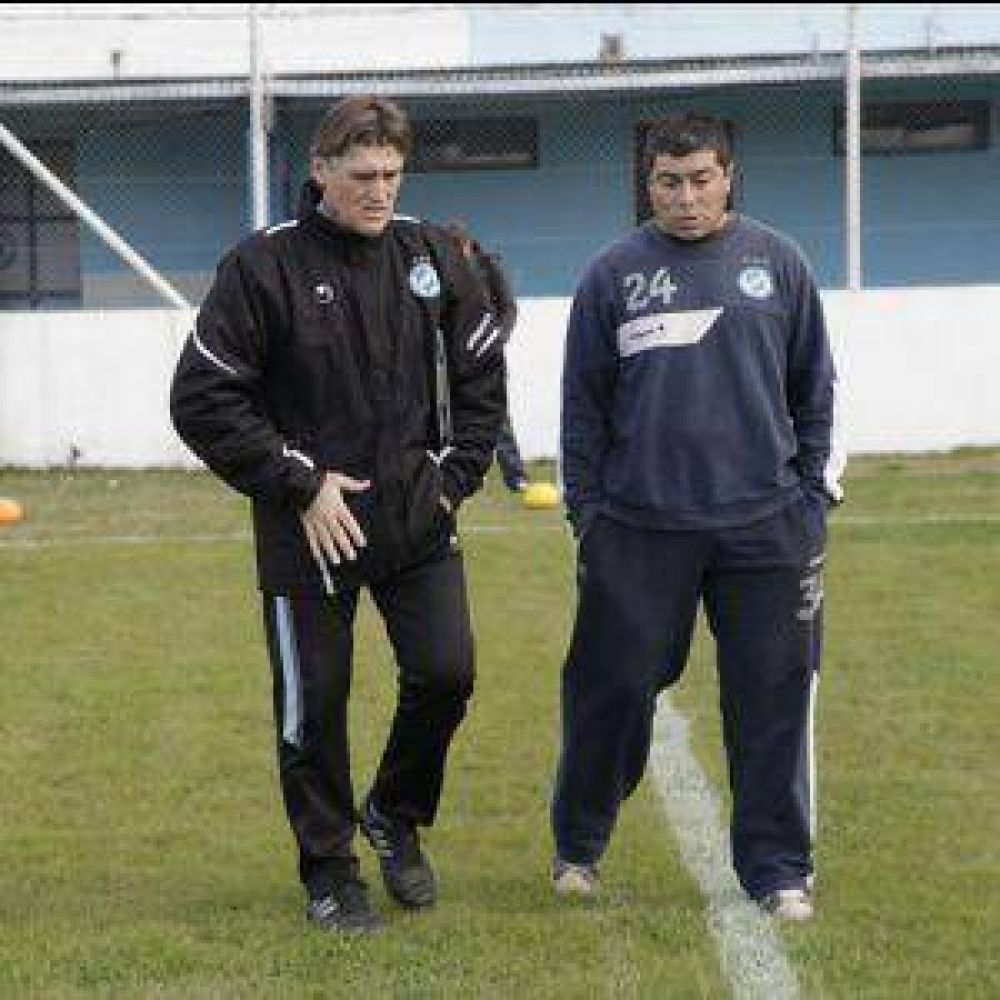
474, 144
39, 235
918, 127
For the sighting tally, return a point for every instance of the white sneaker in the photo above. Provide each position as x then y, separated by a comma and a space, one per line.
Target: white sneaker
574, 879
789, 904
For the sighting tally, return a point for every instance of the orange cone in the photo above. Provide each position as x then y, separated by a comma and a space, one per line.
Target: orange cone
10, 511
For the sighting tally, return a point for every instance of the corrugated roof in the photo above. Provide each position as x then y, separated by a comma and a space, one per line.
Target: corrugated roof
526, 80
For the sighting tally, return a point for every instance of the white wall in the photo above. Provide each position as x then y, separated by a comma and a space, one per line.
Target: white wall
177, 41
919, 372
919, 368
94, 381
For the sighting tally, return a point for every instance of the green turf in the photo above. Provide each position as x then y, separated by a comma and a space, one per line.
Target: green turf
143, 851
909, 822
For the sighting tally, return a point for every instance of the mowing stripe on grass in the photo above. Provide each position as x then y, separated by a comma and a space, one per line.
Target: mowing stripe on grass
914, 520
752, 957
228, 536
66, 542
847, 520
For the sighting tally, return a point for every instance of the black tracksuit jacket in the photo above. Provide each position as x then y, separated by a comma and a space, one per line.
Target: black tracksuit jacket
313, 351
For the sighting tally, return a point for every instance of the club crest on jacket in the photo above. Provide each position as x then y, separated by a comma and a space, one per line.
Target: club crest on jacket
756, 282
424, 280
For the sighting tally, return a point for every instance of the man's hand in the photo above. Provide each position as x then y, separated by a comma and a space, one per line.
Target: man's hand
331, 530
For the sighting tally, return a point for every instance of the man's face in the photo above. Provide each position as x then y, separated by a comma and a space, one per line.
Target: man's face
688, 194
360, 188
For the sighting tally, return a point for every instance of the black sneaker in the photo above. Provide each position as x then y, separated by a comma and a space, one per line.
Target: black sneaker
345, 908
406, 871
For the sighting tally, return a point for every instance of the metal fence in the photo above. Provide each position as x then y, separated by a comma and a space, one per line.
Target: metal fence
540, 158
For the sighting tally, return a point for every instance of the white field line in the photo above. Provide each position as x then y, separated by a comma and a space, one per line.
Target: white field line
861, 520
753, 959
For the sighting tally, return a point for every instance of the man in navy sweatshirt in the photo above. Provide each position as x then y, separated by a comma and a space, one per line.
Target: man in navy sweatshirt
697, 409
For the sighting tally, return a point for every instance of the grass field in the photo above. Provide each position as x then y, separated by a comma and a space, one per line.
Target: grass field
144, 853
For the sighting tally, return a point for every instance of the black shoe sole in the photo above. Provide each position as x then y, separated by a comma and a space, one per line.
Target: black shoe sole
353, 930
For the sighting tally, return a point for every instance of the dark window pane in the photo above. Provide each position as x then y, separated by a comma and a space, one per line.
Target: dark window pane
474, 144
58, 252
918, 127
14, 257
58, 157
13, 187
640, 175
39, 235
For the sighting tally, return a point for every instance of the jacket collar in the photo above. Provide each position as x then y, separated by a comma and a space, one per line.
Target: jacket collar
356, 245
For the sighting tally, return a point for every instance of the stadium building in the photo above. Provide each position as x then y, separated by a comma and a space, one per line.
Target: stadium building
529, 122
867, 132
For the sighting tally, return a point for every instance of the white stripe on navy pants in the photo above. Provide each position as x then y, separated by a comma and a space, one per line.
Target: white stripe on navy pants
639, 593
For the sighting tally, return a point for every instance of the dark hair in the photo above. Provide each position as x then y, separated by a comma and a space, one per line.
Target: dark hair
460, 234
681, 135
458, 230
365, 120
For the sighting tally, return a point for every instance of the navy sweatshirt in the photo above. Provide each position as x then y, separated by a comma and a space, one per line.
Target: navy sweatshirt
698, 381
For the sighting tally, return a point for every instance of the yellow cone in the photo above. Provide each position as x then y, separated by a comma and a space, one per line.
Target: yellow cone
540, 496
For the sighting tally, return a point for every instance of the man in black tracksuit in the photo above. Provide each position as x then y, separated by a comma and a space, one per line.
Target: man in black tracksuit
696, 454
314, 382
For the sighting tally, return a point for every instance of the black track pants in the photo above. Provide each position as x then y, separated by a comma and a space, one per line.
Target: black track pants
639, 593
310, 643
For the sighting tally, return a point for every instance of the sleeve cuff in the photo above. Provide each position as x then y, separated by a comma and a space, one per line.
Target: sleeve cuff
303, 484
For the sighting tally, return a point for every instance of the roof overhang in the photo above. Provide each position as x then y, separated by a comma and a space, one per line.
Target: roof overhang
527, 80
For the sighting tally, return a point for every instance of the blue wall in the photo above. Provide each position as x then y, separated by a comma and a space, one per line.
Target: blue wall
549, 221
933, 218
175, 189
929, 218
174, 183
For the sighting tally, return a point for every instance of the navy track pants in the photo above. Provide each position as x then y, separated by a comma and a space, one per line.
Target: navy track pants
639, 593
